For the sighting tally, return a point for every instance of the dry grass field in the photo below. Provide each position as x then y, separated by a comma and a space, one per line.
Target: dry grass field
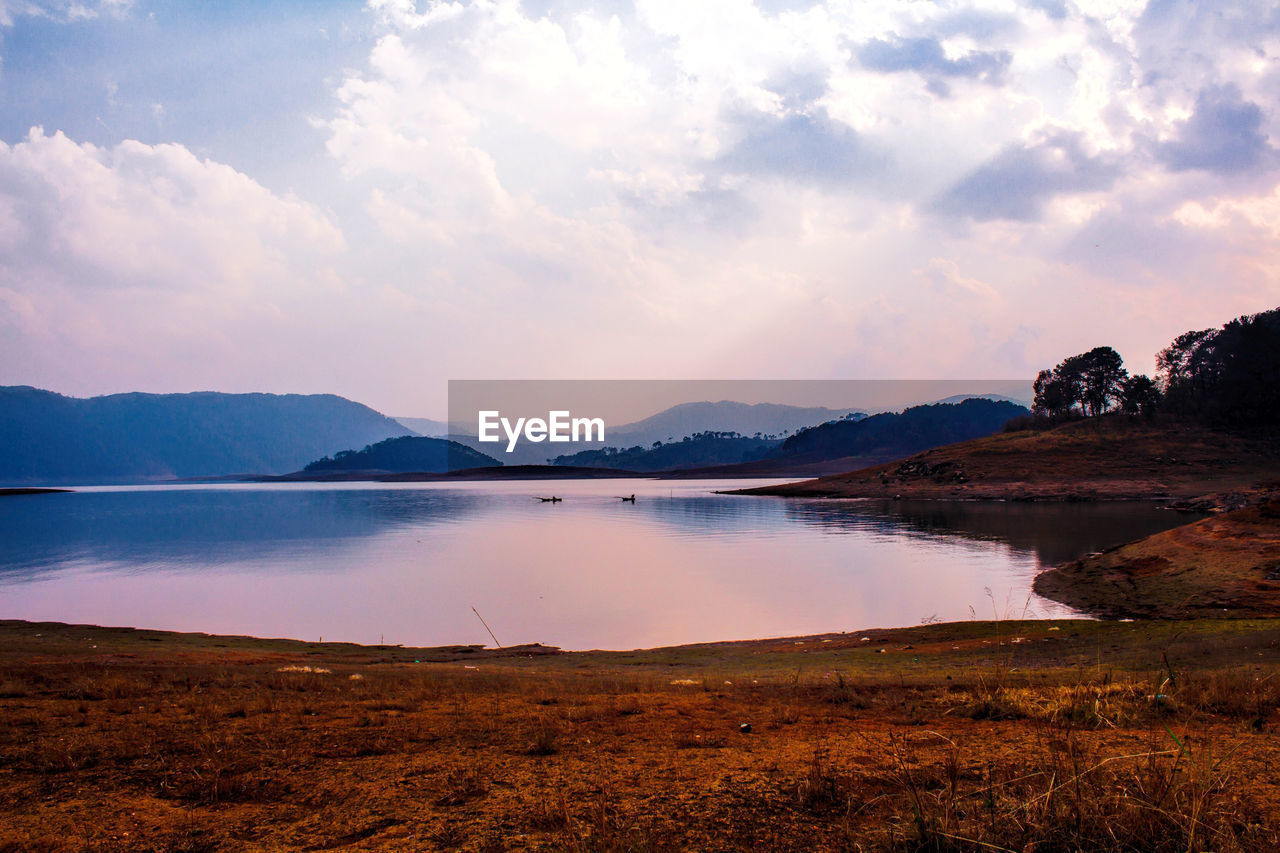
979, 736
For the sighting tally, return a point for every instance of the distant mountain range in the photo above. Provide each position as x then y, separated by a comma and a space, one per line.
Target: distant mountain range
404, 454
763, 420
879, 437
424, 426
960, 398
747, 419
696, 451
49, 438
894, 435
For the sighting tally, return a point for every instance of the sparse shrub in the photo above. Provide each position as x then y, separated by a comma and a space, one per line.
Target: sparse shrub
549, 811
462, 785
1073, 796
542, 740
1242, 696
840, 691
822, 788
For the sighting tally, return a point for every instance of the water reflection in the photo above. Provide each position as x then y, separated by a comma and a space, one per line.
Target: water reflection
713, 515
406, 563
1055, 533
194, 529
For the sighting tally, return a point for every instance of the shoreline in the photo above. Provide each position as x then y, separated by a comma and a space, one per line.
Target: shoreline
66, 639
110, 637
1225, 565
920, 653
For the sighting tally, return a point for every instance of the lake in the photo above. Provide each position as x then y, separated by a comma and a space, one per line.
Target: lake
405, 563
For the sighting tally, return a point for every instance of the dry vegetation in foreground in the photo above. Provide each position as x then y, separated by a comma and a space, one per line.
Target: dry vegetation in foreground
979, 736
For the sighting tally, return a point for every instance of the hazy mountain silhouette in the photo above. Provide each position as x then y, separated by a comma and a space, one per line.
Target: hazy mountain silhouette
896, 435
695, 451
960, 398
673, 425
402, 455
424, 426
891, 435
687, 419
49, 438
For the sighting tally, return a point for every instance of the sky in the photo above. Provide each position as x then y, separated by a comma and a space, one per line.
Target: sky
370, 200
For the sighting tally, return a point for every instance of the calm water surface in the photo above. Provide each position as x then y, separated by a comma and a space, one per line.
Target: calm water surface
404, 563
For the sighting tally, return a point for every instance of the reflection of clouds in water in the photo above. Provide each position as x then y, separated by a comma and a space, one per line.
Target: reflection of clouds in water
192, 529
714, 515
680, 565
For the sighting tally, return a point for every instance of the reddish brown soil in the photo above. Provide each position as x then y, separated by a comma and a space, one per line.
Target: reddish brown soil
1041, 736
1227, 565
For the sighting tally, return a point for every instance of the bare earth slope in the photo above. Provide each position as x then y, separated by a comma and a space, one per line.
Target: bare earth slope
1228, 565
1108, 458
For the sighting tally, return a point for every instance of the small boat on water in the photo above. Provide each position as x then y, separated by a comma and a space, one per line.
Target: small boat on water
551, 500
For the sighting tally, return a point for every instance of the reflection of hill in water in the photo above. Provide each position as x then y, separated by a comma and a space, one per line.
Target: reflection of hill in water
1054, 532
197, 527
714, 515
304, 529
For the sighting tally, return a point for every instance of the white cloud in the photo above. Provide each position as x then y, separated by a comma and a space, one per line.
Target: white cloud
136, 253
657, 187
149, 216
667, 163
66, 11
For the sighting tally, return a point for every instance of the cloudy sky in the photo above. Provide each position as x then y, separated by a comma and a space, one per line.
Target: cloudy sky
370, 200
